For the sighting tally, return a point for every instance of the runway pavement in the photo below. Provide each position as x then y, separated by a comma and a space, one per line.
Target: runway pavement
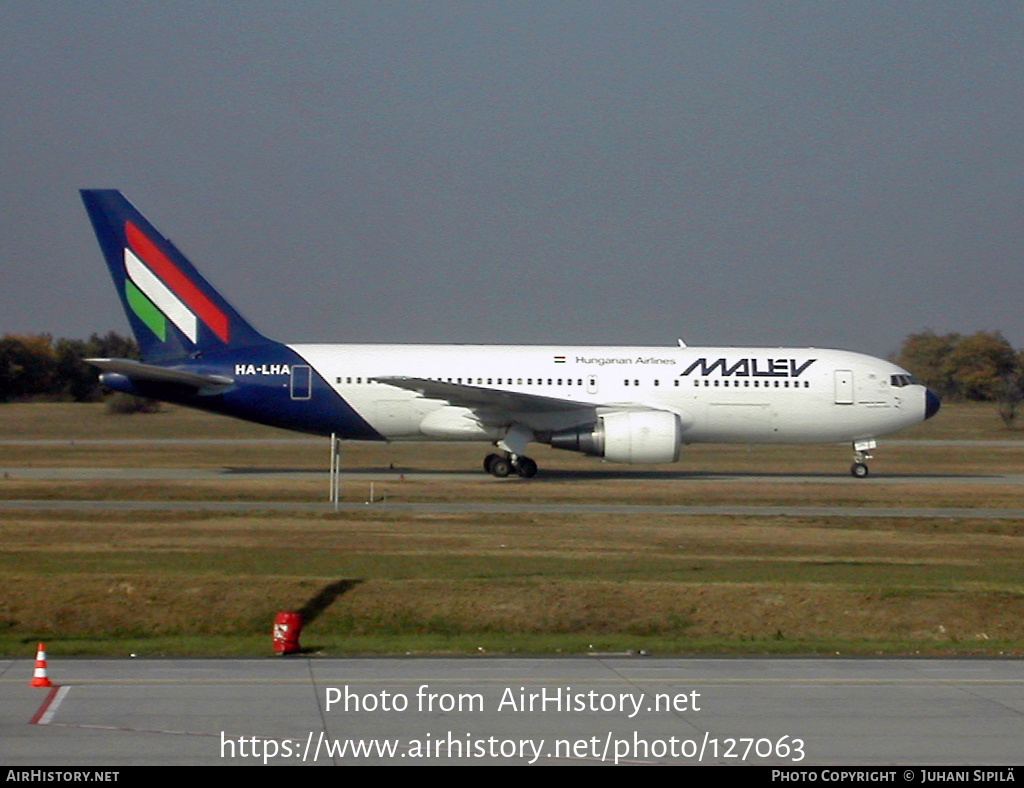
590, 710
364, 477
604, 474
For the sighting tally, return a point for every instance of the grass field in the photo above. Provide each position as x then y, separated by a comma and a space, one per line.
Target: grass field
207, 583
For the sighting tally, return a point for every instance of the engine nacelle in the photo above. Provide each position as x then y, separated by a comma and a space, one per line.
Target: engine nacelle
649, 436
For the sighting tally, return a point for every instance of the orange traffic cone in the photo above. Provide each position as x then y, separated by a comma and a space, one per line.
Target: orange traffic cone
40, 679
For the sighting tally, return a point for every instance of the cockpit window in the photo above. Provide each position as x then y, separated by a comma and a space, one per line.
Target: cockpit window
903, 379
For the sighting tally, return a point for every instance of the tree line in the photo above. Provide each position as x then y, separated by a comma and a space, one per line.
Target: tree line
979, 367
36, 366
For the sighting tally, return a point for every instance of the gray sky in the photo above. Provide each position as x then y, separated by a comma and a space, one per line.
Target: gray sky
597, 173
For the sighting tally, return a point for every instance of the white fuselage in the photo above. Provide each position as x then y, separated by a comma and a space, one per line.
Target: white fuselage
720, 394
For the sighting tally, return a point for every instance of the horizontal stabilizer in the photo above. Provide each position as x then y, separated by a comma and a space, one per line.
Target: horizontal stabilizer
137, 371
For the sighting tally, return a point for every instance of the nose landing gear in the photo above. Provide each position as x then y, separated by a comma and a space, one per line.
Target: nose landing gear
861, 454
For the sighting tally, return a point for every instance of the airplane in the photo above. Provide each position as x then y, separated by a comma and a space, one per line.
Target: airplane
623, 404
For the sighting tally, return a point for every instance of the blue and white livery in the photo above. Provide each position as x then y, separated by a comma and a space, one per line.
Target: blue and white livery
625, 404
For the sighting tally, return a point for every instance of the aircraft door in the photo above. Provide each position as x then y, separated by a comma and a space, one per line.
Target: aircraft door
844, 387
592, 384
302, 382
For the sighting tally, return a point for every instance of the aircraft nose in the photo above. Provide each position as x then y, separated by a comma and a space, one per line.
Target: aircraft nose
931, 404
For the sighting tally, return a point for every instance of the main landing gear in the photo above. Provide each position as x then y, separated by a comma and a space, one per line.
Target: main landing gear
500, 465
861, 454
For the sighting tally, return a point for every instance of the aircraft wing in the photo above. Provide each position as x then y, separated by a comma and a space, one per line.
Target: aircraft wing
137, 371
480, 397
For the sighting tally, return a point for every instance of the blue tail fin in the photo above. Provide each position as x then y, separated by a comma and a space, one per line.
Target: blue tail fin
172, 309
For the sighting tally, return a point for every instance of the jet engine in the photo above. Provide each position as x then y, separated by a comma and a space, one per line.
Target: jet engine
649, 436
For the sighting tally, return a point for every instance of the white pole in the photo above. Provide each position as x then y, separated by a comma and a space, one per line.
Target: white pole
335, 482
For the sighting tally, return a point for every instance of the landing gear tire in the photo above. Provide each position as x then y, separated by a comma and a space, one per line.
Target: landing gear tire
500, 467
526, 468
859, 470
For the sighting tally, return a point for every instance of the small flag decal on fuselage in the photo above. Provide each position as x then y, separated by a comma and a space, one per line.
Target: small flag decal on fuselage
158, 291
559, 359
